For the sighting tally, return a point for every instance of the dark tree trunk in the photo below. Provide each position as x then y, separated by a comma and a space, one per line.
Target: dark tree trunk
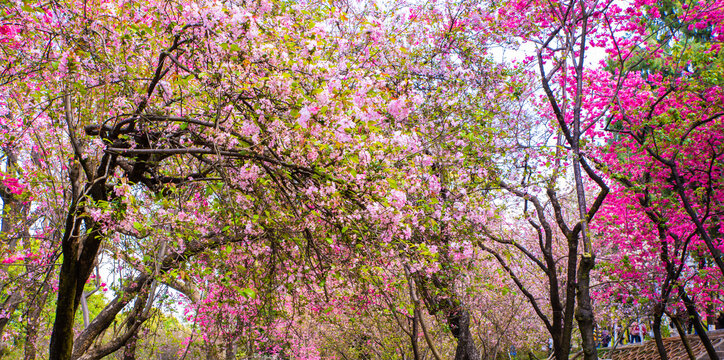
658, 313
80, 244
129, 350
413, 336
61, 339
459, 322
79, 257
682, 334
584, 312
570, 300
559, 352
696, 319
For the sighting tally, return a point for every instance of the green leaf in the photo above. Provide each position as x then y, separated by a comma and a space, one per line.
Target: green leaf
248, 293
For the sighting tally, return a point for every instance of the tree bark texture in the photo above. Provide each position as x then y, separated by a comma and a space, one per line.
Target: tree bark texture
459, 322
584, 312
682, 334
658, 313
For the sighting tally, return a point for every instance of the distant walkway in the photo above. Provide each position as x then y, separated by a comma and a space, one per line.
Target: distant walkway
673, 345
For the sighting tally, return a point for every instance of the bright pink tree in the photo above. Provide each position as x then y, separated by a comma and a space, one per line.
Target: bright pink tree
666, 152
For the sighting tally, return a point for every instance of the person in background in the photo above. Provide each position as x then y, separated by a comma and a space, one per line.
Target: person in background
605, 338
636, 330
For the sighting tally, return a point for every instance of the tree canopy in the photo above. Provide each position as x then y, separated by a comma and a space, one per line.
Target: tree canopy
326, 179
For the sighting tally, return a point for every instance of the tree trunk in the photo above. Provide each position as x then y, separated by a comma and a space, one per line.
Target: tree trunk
31, 333
584, 312
459, 322
129, 350
569, 308
9, 305
682, 334
31, 336
694, 315
658, 313
559, 352
79, 245
61, 339
414, 337
79, 256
